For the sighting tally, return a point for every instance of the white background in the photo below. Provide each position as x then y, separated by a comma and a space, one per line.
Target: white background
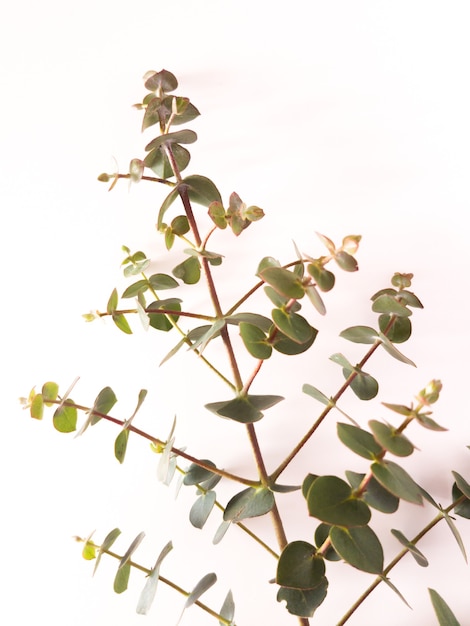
343, 117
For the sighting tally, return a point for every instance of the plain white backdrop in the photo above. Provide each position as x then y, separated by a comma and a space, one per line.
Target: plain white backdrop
343, 117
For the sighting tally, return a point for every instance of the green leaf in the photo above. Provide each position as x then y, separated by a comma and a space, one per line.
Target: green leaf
390, 439
462, 509
375, 495
393, 351
180, 136
122, 323
285, 345
201, 587
162, 281
260, 321
283, 281
133, 290
315, 299
197, 475
316, 394
462, 484
340, 359
36, 408
228, 609
163, 80
211, 332
200, 190
454, 531
360, 334
388, 582
120, 445
323, 277
103, 403
292, 325
112, 302
412, 549
217, 214
157, 160
65, 418
322, 533
160, 321
397, 481
106, 544
189, 271
358, 546
391, 306
364, 385
346, 261
255, 341
244, 409
303, 602
50, 392
251, 502
358, 440
332, 500
442, 610
400, 330
148, 592
121, 579
202, 508
299, 567
171, 197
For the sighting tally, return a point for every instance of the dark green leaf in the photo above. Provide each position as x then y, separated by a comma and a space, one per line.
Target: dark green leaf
375, 495
160, 321
200, 189
322, 533
399, 331
292, 325
244, 409
197, 475
393, 351
454, 531
189, 271
358, 546
442, 610
260, 321
364, 385
180, 136
307, 483
285, 345
303, 602
412, 549
390, 439
251, 502
462, 509
462, 484
163, 80
171, 197
65, 418
299, 567
332, 500
157, 160
397, 481
255, 341
358, 440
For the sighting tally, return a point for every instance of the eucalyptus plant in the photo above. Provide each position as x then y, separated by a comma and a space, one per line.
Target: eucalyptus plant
338, 509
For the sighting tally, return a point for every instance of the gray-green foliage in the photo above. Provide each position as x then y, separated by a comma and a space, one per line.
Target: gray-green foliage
339, 510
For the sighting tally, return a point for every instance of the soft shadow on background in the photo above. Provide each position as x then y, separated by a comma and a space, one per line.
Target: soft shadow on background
340, 117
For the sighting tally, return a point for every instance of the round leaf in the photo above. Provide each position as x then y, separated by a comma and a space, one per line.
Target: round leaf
359, 547
299, 567
255, 341
251, 502
359, 441
303, 602
293, 326
331, 500
388, 438
65, 419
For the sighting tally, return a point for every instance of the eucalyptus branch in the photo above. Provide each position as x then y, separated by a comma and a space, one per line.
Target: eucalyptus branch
158, 442
161, 578
397, 559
